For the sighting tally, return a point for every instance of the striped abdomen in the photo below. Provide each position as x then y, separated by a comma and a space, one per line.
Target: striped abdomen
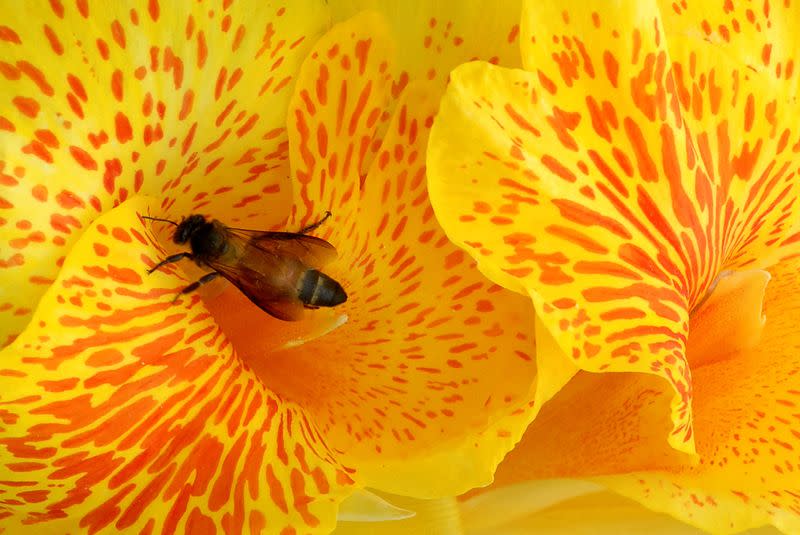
316, 289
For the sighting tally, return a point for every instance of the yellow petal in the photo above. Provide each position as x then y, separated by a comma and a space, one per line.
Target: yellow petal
743, 130
433, 37
343, 89
587, 513
745, 404
102, 102
122, 411
498, 506
746, 413
762, 38
579, 183
510, 181
432, 357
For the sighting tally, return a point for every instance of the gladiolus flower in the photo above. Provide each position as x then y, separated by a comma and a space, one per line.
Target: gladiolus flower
123, 411
638, 180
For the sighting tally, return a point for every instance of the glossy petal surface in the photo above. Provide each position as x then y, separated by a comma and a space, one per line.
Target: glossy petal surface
101, 102
612, 185
139, 416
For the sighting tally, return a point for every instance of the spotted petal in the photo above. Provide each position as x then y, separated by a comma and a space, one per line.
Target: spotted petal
745, 401
433, 37
122, 411
595, 184
187, 102
434, 354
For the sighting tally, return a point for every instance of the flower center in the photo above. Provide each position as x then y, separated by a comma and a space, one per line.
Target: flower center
265, 343
729, 319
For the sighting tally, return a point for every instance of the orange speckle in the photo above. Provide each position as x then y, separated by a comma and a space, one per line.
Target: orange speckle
123, 128
83, 8
83, 158
47, 137
55, 44
102, 47
153, 9
512, 35
100, 249
6, 125
9, 35
118, 33
116, 85
121, 235
27, 106
77, 87
67, 200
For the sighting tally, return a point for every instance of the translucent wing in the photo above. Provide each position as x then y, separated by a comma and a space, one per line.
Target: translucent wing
312, 251
267, 279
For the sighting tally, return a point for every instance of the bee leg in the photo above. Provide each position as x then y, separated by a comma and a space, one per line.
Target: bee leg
312, 226
208, 277
170, 260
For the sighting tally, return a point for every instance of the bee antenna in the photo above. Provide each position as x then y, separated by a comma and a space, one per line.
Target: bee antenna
159, 219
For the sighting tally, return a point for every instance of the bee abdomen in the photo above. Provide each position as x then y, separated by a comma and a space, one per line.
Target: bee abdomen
319, 290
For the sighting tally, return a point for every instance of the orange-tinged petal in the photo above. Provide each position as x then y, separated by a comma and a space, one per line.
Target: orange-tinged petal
745, 404
425, 360
730, 320
746, 415
579, 183
122, 411
101, 102
742, 129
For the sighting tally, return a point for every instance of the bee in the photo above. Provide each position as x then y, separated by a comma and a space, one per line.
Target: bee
278, 271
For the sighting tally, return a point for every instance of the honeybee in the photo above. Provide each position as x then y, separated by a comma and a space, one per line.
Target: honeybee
278, 271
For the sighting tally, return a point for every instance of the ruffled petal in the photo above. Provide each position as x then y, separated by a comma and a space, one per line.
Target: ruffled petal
746, 416
186, 102
579, 183
426, 357
522, 177
615, 423
123, 411
746, 398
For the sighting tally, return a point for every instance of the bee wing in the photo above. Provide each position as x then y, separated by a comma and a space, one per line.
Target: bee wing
266, 279
312, 251
258, 288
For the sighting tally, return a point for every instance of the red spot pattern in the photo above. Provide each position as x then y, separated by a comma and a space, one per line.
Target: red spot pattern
414, 370
109, 128
668, 182
204, 450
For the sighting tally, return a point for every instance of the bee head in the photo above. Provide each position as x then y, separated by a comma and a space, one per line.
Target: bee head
187, 227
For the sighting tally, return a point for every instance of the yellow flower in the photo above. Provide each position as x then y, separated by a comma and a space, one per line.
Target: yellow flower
123, 411
636, 180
